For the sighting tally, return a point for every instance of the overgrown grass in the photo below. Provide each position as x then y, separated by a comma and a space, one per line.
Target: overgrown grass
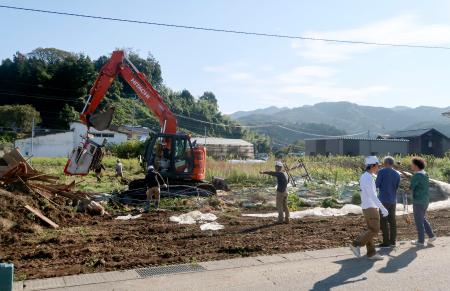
334, 170
109, 183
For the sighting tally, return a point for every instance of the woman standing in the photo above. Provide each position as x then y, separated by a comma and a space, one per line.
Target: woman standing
419, 187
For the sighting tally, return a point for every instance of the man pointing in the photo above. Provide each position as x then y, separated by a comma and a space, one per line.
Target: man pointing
282, 181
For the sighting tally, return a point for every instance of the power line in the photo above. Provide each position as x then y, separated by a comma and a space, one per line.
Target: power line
220, 124
222, 30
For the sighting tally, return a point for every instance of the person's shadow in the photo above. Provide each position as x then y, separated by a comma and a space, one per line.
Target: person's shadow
399, 262
350, 268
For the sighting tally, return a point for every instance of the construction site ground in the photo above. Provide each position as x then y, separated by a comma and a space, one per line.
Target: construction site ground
102, 244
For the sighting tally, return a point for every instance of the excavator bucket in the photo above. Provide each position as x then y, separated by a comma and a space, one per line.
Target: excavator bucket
102, 121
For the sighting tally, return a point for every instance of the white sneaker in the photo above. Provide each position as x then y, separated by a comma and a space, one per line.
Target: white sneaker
431, 240
376, 257
356, 251
417, 243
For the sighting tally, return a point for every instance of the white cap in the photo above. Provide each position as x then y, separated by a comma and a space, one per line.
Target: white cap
371, 160
278, 164
149, 168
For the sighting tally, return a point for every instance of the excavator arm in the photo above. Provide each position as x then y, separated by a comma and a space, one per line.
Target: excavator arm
88, 155
118, 64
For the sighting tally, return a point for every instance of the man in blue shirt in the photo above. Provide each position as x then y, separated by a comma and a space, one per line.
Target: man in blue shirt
388, 181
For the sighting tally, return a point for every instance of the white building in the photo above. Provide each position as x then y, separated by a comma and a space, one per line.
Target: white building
61, 144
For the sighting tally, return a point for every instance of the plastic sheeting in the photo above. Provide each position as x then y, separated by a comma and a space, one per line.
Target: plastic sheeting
347, 209
317, 211
196, 216
193, 217
128, 217
212, 226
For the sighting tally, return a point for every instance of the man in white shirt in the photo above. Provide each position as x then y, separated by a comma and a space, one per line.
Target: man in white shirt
371, 206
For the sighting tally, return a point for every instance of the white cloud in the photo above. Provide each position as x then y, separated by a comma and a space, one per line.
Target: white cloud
398, 30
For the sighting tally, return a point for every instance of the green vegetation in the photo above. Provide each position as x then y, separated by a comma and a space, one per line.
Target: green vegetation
109, 183
296, 203
329, 174
56, 82
127, 150
329, 203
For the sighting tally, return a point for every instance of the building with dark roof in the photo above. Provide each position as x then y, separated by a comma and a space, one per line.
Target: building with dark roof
427, 141
346, 146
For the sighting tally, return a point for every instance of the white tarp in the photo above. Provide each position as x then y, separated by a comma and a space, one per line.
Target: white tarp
347, 209
212, 226
317, 211
193, 217
128, 217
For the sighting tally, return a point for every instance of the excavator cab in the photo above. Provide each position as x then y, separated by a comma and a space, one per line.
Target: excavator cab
175, 157
86, 156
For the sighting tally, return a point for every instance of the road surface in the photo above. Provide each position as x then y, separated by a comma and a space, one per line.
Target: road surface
404, 268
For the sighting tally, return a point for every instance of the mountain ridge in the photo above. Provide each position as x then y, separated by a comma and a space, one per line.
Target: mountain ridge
352, 117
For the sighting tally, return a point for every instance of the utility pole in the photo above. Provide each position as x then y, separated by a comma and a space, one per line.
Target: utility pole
205, 135
32, 138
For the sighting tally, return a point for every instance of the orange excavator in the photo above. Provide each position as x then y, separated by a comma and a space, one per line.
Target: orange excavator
173, 154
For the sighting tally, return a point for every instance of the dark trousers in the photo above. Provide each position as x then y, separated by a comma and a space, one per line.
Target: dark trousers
422, 223
388, 225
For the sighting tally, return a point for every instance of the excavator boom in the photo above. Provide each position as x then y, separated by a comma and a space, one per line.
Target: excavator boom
171, 153
118, 64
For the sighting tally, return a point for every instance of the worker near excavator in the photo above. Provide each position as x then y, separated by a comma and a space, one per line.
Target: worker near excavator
98, 171
153, 180
119, 169
281, 200
371, 207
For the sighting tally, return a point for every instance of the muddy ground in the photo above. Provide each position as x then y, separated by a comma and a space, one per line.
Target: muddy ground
104, 244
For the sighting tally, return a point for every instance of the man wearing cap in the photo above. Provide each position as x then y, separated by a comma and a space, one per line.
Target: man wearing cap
371, 206
153, 180
388, 181
281, 201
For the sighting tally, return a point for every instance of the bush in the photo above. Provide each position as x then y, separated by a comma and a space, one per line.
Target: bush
127, 150
329, 203
356, 198
295, 202
446, 173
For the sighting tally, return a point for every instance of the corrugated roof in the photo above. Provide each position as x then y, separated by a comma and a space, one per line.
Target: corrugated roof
411, 132
358, 138
221, 141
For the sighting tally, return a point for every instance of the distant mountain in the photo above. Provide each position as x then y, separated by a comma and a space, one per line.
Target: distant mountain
268, 111
352, 118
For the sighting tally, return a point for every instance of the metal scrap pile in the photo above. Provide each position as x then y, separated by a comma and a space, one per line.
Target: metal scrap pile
16, 172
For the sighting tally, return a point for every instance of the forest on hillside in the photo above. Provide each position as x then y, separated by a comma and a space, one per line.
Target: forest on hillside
56, 82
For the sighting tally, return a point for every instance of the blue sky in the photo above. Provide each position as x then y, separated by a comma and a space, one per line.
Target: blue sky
252, 72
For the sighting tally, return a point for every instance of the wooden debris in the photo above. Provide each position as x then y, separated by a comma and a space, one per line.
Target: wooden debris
41, 216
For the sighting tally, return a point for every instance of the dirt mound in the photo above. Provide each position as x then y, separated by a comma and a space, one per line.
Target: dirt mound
16, 219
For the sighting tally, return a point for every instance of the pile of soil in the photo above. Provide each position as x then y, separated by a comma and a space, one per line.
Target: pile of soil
102, 244
16, 220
